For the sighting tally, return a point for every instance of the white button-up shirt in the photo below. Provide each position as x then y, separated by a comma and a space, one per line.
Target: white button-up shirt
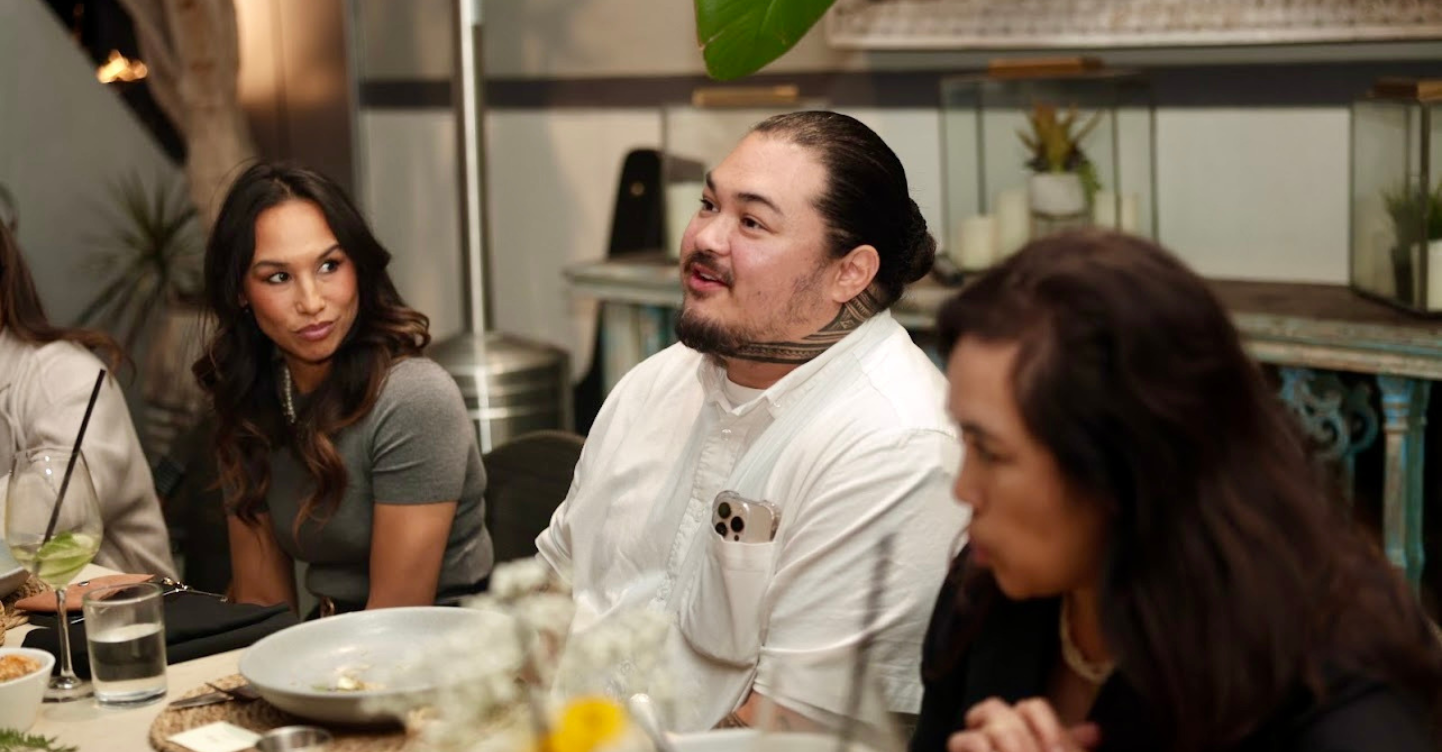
850, 447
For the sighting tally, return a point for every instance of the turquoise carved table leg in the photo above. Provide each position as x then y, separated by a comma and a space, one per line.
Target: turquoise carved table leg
1339, 420
656, 330
1404, 401
621, 342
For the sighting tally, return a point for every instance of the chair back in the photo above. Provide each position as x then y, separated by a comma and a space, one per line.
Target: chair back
526, 479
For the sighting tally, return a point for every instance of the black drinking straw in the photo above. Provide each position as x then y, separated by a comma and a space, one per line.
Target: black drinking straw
74, 453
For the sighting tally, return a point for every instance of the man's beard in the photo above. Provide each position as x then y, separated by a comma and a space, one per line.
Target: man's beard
708, 337
737, 341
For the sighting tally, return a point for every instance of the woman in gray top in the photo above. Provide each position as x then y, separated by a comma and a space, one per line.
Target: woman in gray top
338, 444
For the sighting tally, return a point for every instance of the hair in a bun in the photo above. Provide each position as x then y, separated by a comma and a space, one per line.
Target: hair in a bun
866, 200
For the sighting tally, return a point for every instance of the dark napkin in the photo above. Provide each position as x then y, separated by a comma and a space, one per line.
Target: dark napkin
196, 625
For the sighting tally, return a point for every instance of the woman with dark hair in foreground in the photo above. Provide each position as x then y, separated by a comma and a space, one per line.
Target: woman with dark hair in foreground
338, 444
1155, 562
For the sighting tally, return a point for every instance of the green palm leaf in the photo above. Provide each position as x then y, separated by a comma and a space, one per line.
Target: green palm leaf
739, 37
150, 257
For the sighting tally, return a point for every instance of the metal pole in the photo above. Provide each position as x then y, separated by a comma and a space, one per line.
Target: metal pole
469, 95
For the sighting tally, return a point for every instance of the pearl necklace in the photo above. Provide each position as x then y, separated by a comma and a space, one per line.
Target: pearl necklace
287, 399
1094, 672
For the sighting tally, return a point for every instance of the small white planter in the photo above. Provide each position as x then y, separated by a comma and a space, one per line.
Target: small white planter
1057, 195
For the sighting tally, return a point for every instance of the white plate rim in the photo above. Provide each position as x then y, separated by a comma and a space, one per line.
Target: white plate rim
329, 622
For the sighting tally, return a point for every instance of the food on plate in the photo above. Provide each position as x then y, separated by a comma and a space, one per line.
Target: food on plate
349, 681
15, 666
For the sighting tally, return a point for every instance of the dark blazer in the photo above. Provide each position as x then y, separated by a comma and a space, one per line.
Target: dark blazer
1017, 648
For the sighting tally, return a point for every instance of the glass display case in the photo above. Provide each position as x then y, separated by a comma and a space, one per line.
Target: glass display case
1396, 250
695, 137
1030, 150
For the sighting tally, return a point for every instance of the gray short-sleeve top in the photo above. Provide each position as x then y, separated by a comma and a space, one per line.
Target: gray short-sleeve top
416, 446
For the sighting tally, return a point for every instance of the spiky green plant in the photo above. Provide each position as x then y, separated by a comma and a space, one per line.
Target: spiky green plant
1055, 140
1055, 144
1416, 216
150, 259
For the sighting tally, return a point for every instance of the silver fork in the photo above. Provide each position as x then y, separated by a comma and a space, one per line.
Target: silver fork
244, 692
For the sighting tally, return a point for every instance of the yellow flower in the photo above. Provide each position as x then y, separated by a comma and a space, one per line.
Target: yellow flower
586, 724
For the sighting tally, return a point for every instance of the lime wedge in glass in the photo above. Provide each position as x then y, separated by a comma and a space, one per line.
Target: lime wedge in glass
57, 562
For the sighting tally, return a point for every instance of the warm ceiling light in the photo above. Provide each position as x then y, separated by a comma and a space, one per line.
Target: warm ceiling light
120, 68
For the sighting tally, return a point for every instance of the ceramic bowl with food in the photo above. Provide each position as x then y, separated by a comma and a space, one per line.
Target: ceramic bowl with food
24, 672
340, 668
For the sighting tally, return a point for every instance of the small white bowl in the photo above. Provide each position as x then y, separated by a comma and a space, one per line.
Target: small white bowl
20, 698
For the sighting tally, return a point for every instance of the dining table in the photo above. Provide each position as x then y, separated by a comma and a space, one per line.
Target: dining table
86, 725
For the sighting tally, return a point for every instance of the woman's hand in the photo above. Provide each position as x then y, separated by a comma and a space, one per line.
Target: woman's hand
1028, 726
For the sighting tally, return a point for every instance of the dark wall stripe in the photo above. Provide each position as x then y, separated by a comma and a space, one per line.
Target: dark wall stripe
405, 94
1283, 85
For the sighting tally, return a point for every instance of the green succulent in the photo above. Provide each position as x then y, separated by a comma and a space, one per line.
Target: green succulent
1055, 141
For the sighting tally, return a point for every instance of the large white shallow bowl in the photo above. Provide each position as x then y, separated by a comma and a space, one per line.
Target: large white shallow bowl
294, 668
20, 698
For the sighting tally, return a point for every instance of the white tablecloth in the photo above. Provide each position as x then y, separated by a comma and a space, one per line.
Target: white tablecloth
86, 725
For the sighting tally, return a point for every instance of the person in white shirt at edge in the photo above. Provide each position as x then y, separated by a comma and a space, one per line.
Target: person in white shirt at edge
46, 376
792, 384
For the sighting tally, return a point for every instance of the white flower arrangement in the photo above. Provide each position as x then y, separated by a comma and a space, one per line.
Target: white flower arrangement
526, 684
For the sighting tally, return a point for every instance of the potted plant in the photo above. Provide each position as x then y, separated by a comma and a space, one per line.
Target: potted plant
150, 262
1416, 223
1063, 179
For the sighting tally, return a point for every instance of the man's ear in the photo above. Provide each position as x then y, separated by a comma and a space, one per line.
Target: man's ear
854, 273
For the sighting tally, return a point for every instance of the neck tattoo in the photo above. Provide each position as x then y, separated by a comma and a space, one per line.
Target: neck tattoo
287, 394
853, 313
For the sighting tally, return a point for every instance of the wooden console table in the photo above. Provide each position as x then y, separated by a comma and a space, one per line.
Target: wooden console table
1310, 332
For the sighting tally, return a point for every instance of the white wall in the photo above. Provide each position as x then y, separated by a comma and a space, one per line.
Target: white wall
1256, 193
1253, 193
64, 142
1243, 194
409, 190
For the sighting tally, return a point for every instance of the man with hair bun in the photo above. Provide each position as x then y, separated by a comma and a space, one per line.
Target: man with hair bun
795, 390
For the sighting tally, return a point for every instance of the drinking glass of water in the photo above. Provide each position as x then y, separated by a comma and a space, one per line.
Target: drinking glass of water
125, 632
53, 526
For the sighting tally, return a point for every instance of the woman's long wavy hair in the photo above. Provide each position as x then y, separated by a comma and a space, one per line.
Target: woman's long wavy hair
1231, 579
22, 313
240, 367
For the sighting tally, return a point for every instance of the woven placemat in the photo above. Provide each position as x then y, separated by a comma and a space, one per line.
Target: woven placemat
15, 617
260, 716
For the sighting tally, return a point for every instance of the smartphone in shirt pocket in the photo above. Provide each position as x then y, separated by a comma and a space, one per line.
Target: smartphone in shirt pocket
739, 519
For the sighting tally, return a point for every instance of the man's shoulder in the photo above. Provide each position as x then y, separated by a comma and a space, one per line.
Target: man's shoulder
900, 387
